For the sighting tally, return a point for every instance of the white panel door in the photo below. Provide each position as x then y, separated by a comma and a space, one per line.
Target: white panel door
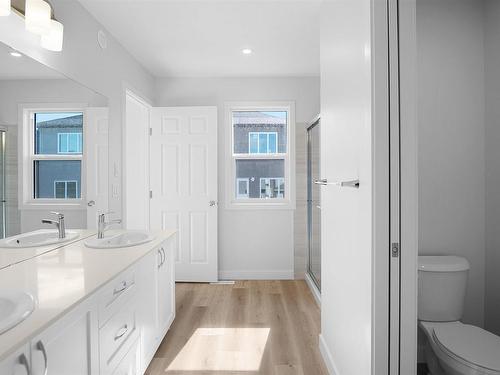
184, 187
96, 163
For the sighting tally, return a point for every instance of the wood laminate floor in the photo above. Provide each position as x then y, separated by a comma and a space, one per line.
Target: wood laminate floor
251, 327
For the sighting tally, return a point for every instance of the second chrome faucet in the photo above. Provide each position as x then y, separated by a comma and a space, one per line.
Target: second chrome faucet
102, 224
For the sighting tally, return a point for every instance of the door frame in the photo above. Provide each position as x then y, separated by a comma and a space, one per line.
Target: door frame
128, 91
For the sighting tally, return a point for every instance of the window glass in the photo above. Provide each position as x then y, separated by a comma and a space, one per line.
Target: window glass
57, 179
267, 174
58, 132
242, 185
259, 132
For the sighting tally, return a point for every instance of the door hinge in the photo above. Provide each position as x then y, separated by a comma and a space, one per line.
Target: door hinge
150, 131
395, 250
151, 194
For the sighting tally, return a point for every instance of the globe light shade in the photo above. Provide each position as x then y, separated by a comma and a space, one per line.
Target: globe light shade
4, 8
38, 16
53, 40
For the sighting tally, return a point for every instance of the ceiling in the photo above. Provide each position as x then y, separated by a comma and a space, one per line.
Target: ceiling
23, 67
204, 38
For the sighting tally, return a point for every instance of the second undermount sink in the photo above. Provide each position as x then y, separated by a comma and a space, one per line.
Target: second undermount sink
15, 306
42, 237
127, 239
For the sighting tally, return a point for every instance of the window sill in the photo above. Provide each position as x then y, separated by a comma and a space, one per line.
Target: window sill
259, 205
52, 206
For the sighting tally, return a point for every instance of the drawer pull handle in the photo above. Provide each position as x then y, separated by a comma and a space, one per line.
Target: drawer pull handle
24, 362
121, 289
41, 347
122, 331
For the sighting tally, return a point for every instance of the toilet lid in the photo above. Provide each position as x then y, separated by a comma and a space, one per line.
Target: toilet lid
471, 343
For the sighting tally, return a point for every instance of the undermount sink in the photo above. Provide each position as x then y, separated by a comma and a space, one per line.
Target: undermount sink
15, 306
126, 239
42, 237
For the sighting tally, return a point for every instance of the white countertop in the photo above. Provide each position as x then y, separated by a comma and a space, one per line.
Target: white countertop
62, 278
10, 256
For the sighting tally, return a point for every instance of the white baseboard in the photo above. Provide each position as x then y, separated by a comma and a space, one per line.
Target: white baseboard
314, 290
256, 275
327, 357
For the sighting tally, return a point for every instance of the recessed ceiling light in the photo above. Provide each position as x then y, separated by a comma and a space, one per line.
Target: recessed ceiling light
246, 51
15, 54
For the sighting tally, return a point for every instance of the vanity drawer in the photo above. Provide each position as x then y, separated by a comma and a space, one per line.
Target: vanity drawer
129, 365
116, 294
116, 337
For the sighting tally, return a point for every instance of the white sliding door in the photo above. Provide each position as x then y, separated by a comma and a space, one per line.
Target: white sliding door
96, 159
184, 186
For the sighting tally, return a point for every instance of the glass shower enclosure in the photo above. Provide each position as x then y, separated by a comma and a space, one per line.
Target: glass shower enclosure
3, 201
314, 203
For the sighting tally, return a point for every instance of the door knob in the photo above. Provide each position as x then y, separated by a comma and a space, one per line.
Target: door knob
212, 203
91, 203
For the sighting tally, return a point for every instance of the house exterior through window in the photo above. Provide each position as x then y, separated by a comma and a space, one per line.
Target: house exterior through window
56, 157
260, 155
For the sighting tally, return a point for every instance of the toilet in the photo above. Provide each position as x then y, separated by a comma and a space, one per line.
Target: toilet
452, 347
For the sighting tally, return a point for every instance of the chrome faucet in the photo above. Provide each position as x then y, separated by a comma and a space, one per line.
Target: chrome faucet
59, 223
102, 225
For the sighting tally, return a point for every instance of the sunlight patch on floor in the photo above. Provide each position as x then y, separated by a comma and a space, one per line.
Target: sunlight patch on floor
222, 349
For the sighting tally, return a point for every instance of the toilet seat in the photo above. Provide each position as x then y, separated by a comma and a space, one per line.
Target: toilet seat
472, 346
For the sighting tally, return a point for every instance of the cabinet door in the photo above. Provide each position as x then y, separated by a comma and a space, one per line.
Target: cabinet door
147, 318
17, 363
166, 288
69, 346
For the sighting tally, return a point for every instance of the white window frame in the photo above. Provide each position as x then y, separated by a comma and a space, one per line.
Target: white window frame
65, 187
269, 178
238, 194
231, 200
27, 157
258, 143
79, 137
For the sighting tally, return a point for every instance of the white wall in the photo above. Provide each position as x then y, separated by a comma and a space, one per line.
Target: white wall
452, 139
15, 92
346, 153
252, 243
106, 71
492, 64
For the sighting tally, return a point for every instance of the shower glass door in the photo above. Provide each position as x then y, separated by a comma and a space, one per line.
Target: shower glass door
314, 203
3, 224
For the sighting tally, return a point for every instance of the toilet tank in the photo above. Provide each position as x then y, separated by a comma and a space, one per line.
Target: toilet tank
442, 281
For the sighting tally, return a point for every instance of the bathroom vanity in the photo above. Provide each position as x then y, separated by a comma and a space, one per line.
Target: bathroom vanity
97, 311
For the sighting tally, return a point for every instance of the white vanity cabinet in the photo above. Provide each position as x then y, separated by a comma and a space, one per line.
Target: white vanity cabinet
157, 299
17, 363
166, 288
70, 345
115, 331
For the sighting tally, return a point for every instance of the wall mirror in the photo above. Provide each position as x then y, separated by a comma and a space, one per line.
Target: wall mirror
53, 147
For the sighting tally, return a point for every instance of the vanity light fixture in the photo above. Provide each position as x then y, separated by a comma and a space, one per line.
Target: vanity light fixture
4, 8
53, 40
37, 16
39, 19
246, 51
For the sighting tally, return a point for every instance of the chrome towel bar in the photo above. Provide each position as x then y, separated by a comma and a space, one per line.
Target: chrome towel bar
351, 183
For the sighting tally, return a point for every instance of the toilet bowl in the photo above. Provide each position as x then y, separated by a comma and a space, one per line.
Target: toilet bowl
454, 348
